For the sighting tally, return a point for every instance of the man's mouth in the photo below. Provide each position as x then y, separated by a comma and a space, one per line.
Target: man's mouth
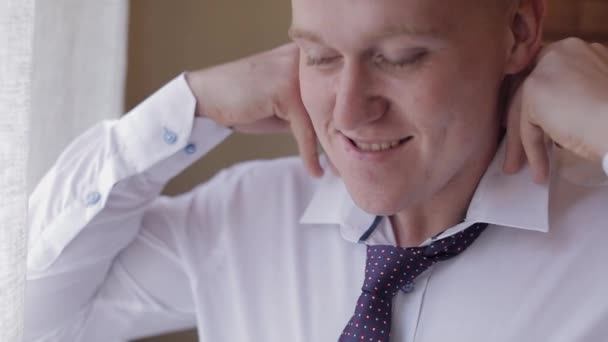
378, 146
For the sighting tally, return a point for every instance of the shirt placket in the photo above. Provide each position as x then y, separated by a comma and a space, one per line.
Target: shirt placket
408, 307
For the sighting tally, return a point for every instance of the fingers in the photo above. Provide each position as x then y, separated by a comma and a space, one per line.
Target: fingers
534, 143
305, 136
524, 141
515, 155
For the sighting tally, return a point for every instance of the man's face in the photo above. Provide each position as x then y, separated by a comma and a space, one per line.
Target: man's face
417, 79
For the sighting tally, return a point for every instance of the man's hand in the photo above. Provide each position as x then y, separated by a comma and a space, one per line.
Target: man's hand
258, 94
564, 99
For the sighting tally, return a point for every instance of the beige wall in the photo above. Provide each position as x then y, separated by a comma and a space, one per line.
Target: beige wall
168, 37
582, 18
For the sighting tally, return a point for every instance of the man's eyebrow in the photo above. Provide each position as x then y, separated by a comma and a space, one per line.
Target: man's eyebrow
296, 33
397, 30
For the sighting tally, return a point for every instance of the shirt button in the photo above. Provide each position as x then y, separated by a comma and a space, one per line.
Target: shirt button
169, 136
408, 287
93, 198
190, 149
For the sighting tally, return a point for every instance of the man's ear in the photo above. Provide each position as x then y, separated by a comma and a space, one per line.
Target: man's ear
525, 34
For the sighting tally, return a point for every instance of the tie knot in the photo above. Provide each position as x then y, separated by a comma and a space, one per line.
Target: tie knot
390, 268
455, 244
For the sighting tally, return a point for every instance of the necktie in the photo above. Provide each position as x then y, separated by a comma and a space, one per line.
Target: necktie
391, 268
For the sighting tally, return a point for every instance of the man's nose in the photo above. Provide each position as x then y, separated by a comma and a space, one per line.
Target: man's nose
356, 104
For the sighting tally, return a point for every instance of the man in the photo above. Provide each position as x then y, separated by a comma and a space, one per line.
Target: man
406, 98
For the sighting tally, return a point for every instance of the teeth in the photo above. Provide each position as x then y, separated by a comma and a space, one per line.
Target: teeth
377, 147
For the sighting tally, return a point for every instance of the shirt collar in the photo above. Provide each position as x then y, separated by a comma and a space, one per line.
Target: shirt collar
332, 205
512, 201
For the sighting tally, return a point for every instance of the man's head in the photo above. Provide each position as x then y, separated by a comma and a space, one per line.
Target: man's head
420, 78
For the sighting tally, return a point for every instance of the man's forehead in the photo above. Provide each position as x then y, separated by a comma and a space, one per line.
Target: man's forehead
362, 9
387, 17
407, 5
377, 17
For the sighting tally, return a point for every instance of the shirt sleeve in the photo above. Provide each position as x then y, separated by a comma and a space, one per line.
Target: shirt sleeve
96, 220
605, 164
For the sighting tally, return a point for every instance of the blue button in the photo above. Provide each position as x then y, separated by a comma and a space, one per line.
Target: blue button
408, 287
191, 148
93, 198
169, 136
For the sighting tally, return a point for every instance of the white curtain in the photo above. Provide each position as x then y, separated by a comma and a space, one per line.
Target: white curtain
62, 69
16, 29
80, 55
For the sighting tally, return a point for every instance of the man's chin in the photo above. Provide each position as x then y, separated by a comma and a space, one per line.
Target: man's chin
377, 203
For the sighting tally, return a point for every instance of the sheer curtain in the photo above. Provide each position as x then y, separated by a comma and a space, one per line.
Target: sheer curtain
16, 29
62, 69
79, 69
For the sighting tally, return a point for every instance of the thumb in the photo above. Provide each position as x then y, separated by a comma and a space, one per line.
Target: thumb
515, 155
306, 138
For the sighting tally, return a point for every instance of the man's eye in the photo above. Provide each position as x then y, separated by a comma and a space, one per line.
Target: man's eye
312, 61
402, 63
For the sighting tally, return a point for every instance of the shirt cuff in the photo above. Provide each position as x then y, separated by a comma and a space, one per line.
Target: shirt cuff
161, 136
605, 164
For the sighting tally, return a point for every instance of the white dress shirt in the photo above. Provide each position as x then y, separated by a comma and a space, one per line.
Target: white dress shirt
265, 253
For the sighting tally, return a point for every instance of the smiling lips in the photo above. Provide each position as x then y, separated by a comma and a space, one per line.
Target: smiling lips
378, 146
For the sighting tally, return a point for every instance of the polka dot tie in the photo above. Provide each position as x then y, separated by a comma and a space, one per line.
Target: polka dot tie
390, 269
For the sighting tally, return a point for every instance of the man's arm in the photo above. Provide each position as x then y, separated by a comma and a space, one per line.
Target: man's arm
90, 222
102, 240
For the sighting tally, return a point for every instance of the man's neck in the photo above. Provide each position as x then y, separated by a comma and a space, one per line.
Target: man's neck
446, 208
